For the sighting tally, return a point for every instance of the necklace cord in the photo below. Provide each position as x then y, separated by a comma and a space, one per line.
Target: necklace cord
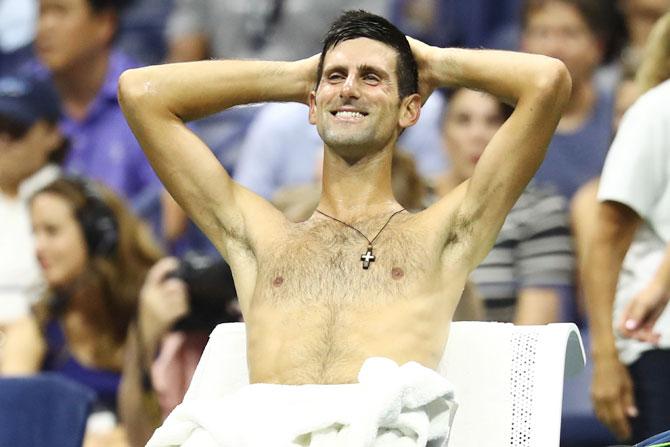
370, 242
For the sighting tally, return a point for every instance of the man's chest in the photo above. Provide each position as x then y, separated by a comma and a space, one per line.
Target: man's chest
329, 263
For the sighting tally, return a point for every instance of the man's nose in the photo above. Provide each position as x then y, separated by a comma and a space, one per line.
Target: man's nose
350, 87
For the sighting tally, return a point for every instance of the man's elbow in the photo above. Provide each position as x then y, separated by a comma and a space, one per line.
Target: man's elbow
554, 82
134, 89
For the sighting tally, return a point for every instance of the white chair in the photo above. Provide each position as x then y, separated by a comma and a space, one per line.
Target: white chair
508, 379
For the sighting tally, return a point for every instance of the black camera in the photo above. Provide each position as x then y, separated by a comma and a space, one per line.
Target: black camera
211, 290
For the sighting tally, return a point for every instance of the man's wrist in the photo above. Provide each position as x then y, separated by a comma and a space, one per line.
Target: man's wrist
443, 66
306, 72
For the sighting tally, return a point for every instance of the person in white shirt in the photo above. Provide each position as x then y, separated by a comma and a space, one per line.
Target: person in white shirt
30, 147
630, 322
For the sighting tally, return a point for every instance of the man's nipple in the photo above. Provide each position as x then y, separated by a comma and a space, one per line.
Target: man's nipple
278, 281
397, 273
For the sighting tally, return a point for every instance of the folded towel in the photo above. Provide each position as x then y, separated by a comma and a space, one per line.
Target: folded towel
392, 405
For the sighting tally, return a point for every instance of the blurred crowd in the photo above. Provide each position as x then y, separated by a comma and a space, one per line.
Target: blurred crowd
105, 280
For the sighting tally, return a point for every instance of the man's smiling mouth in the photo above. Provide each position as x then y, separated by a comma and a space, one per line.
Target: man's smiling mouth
349, 115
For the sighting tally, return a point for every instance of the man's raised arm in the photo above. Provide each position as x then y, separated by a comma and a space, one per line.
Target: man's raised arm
539, 87
157, 100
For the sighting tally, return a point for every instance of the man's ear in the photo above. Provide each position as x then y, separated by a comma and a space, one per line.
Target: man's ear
410, 110
312, 107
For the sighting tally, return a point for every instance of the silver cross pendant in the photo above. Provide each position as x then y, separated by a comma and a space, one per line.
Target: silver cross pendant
367, 258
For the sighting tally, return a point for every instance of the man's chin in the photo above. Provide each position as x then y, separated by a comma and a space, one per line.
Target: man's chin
350, 139
349, 146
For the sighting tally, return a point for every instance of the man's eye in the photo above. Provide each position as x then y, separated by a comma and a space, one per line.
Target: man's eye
371, 78
335, 77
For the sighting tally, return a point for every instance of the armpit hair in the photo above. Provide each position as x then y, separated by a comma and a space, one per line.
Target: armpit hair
460, 229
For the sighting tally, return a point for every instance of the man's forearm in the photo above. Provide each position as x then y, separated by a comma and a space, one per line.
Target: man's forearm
505, 74
192, 90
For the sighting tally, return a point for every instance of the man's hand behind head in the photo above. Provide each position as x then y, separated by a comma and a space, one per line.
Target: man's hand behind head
310, 67
421, 52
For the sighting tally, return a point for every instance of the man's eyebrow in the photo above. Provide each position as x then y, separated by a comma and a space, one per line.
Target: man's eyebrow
363, 68
334, 68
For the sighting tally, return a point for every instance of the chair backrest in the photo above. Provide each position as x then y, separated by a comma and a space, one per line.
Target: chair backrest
508, 379
41, 410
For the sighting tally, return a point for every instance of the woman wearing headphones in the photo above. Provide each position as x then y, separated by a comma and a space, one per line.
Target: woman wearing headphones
94, 256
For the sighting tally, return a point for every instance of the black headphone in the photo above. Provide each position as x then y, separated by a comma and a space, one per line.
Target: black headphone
97, 220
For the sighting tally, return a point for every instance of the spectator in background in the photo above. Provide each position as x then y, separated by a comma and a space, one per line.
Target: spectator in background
470, 24
180, 304
17, 31
75, 45
94, 256
142, 30
521, 278
256, 29
631, 23
639, 16
584, 203
627, 266
30, 148
573, 31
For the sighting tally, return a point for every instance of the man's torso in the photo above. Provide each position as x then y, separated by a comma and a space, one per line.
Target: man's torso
315, 314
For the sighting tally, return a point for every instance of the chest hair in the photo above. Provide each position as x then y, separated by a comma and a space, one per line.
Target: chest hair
320, 263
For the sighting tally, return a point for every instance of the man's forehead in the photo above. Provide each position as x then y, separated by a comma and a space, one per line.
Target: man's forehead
361, 52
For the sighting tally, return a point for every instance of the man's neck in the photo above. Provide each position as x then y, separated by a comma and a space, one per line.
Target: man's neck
80, 83
579, 109
351, 191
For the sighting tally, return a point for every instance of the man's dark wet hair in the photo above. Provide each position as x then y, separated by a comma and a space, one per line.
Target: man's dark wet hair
356, 24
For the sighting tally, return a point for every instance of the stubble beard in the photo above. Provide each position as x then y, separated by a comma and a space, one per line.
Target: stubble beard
354, 141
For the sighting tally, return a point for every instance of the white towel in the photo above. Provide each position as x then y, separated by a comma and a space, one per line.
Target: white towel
392, 405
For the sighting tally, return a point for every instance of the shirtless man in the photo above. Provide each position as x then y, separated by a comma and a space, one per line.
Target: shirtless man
314, 313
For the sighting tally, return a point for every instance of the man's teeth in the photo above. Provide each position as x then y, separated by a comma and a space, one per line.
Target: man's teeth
348, 114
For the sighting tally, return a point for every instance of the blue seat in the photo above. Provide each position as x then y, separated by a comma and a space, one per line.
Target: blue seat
661, 439
43, 410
